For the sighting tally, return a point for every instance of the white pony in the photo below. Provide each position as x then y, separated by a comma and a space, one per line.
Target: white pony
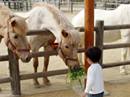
120, 15
48, 16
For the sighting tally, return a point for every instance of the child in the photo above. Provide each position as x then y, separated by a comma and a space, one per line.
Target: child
94, 82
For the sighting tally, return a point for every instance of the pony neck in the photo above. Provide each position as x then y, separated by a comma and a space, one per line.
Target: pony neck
3, 31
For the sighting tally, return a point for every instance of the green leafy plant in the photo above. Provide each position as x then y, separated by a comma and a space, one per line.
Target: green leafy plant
77, 74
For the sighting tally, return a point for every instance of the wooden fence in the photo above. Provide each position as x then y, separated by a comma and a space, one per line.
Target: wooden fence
99, 41
15, 76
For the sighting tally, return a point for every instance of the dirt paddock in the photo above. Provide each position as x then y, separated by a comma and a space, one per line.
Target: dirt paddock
116, 85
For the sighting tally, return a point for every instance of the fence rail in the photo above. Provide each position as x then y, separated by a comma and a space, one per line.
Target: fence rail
114, 46
33, 75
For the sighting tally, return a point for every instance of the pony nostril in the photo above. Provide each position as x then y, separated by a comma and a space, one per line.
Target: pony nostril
71, 68
76, 67
27, 59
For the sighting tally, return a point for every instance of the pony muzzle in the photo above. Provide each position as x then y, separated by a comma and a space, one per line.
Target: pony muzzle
26, 58
24, 54
75, 67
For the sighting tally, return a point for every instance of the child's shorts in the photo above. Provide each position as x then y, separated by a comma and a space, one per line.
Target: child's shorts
96, 95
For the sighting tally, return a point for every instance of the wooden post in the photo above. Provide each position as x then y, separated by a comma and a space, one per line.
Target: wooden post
14, 73
99, 36
89, 26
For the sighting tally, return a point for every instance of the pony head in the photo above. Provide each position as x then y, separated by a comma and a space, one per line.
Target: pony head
68, 48
15, 37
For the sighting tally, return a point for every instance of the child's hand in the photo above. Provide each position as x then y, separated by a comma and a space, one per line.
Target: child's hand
84, 95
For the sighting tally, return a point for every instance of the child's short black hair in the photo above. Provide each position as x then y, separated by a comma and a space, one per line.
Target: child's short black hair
94, 54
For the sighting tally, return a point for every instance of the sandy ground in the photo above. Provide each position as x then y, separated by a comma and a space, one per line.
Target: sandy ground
117, 85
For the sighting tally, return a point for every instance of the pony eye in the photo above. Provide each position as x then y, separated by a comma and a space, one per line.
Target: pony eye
66, 46
16, 36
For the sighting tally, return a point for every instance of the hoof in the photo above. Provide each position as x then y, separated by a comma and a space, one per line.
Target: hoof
37, 85
46, 82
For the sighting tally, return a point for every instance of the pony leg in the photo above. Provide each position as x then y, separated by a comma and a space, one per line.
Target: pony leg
80, 56
81, 45
123, 58
45, 67
125, 36
35, 65
125, 39
46, 62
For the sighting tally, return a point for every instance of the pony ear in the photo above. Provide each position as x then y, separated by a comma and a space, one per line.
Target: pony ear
13, 23
64, 33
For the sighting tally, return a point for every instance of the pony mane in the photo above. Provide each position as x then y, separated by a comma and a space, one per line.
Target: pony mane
5, 12
60, 19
